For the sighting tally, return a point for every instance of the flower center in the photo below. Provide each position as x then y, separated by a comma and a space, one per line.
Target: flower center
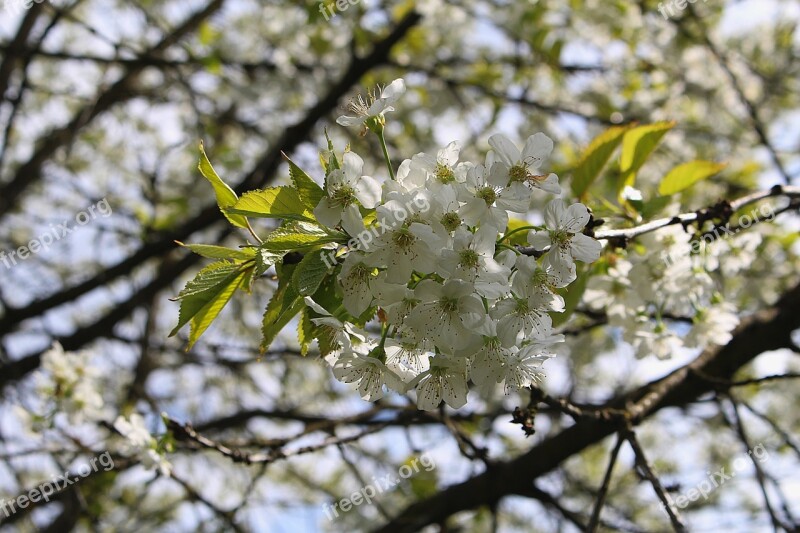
451, 221
403, 238
560, 238
343, 195
360, 273
521, 307
487, 194
449, 305
540, 278
469, 258
444, 174
518, 172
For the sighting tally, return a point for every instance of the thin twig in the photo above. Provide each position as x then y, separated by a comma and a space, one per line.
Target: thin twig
601, 497
647, 470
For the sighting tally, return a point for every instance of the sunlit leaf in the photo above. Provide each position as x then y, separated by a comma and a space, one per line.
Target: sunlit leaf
684, 176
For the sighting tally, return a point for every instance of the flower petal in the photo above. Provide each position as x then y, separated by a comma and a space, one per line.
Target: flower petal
368, 192
504, 149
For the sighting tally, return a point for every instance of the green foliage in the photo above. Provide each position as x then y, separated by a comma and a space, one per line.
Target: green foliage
212, 288
273, 202
310, 193
206, 295
212, 251
595, 158
299, 235
637, 145
309, 273
226, 198
685, 175
286, 302
572, 297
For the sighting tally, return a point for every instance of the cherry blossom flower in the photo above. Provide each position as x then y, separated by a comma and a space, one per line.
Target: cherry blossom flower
374, 106
343, 188
564, 238
487, 196
522, 167
358, 365
446, 313
445, 380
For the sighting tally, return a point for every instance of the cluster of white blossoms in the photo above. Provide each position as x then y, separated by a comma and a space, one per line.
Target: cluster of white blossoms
642, 293
71, 386
71, 383
457, 301
141, 444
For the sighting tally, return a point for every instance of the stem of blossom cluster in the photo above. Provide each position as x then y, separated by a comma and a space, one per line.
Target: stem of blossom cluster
386, 154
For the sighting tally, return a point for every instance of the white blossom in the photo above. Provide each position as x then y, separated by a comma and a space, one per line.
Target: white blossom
522, 167
564, 238
374, 106
343, 187
141, 444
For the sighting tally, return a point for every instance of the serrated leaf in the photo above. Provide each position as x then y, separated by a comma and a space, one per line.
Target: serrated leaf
285, 303
305, 331
298, 235
637, 145
272, 202
266, 259
203, 318
208, 277
204, 296
310, 272
212, 251
685, 175
308, 189
595, 157
225, 195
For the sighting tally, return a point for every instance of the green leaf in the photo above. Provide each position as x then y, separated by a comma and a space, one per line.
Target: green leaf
298, 235
208, 278
220, 252
213, 307
306, 331
225, 195
637, 145
572, 297
595, 158
266, 259
654, 206
285, 303
207, 294
685, 175
310, 272
272, 202
308, 189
